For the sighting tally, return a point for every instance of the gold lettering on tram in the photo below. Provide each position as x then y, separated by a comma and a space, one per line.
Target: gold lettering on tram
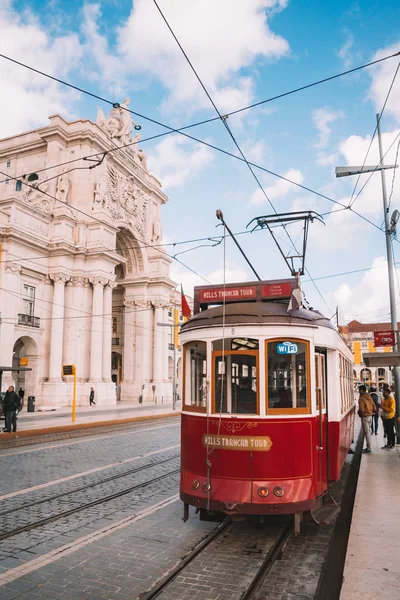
228, 442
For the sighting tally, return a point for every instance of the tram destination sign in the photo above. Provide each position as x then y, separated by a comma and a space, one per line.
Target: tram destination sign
384, 338
276, 290
219, 294
256, 443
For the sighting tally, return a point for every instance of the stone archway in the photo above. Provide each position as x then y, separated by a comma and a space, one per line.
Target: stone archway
25, 348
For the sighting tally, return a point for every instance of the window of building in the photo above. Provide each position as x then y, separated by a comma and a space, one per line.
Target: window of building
287, 376
364, 344
6, 181
29, 300
18, 186
8, 163
170, 312
195, 376
115, 326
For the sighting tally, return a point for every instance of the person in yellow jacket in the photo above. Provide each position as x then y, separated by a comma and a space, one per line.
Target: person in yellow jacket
366, 408
388, 418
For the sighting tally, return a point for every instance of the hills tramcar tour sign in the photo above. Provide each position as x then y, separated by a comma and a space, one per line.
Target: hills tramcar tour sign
384, 338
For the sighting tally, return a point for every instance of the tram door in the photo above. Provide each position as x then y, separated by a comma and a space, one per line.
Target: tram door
321, 450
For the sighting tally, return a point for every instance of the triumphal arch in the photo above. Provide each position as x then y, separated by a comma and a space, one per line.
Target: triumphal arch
84, 280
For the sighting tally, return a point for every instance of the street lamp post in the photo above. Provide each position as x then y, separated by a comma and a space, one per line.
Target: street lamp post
344, 172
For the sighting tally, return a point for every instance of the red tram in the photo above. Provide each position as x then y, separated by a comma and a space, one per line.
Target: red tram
268, 402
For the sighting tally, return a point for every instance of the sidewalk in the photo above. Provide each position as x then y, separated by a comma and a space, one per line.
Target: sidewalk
372, 568
37, 423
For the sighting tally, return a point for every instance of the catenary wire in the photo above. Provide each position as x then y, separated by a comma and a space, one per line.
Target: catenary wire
181, 131
373, 135
223, 120
104, 223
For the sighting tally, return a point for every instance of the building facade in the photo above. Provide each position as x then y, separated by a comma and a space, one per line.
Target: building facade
361, 339
83, 279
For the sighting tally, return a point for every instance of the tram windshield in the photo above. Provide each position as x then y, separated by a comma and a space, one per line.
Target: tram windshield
287, 375
195, 388
235, 376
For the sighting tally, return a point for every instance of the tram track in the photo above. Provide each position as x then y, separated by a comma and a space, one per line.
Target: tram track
93, 503
88, 486
272, 554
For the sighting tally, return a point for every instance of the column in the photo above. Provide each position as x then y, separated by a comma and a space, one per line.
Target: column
129, 320
9, 308
96, 337
166, 336
57, 326
107, 331
158, 356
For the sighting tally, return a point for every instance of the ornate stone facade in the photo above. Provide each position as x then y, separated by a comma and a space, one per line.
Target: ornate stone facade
81, 283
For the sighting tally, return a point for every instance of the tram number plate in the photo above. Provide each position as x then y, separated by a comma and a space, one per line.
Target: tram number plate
237, 442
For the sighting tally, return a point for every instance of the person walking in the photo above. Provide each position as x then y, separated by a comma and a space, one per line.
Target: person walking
11, 403
388, 418
375, 416
366, 409
91, 397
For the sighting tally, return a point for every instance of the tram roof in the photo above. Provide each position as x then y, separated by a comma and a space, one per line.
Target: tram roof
242, 313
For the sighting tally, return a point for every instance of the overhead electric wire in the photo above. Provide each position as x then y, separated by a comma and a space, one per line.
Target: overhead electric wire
181, 132
104, 223
373, 135
223, 120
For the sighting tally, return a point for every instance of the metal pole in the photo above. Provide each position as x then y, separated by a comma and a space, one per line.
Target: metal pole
174, 374
393, 312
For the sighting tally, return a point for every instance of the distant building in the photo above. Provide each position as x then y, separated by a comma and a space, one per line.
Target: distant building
83, 280
361, 338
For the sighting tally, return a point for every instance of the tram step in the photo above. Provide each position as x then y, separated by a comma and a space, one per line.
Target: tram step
325, 512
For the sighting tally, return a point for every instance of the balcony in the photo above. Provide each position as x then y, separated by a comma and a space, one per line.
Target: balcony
29, 320
115, 341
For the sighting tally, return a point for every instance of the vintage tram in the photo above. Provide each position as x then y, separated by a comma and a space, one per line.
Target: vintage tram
268, 402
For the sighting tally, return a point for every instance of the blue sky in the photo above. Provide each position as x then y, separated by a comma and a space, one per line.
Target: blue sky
244, 52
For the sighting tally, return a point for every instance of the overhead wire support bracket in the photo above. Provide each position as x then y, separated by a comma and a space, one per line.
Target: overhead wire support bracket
309, 216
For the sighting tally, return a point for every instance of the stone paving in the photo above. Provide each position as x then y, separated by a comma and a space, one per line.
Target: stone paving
118, 549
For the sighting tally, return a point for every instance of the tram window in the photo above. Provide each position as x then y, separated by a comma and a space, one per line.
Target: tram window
287, 375
237, 393
195, 388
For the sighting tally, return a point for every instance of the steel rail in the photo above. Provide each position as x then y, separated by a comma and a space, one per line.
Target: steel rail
274, 553
75, 510
85, 487
160, 586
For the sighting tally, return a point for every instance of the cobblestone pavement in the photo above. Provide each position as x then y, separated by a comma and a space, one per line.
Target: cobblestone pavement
118, 549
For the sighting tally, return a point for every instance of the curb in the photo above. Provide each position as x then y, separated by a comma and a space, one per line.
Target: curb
78, 426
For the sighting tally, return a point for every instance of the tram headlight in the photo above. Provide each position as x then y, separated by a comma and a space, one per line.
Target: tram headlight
278, 491
195, 484
263, 492
206, 487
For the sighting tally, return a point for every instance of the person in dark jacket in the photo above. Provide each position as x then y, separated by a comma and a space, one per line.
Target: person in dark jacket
11, 403
91, 397
375, 416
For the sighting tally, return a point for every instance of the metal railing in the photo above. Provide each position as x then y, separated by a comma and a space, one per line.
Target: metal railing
29, 320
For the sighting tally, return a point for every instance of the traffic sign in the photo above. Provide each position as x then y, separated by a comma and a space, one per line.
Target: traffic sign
68, 370
384, 338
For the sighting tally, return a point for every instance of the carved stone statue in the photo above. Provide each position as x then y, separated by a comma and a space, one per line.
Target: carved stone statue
157, 231
118, 125
62, 187
142, 158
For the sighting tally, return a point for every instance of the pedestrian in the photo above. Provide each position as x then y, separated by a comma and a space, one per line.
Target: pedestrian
388, 417
21, 394
11, 404
375, 416
91, 397
366, 409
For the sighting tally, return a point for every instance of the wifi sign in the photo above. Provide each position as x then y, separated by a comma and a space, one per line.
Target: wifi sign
286, 348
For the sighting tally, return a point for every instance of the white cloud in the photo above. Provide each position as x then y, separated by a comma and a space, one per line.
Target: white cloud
354, 149
345, 52
220, 39
176, 160
32, 97
323, 118
343, 230
382, 76
280, 189
369, 300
